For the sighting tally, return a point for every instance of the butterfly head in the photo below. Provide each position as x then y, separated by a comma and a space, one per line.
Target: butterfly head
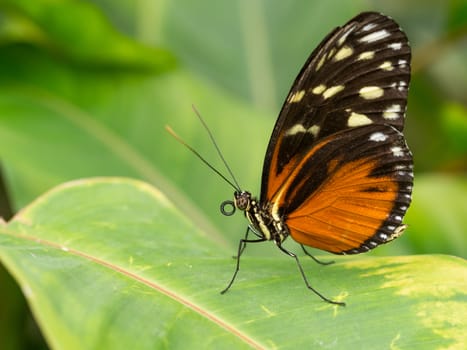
242, 200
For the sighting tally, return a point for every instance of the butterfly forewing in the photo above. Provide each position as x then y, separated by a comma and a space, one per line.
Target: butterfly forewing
337, 169
358, 75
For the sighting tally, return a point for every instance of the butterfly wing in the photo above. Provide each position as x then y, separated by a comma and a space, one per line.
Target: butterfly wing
337, 169
356, 197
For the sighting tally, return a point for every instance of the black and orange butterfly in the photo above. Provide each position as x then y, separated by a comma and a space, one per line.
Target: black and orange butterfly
338, 174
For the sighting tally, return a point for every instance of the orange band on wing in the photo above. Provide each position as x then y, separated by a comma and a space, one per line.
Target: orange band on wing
347, 210
281, 181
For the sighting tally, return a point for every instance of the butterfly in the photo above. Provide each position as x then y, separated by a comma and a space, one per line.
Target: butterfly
337, 173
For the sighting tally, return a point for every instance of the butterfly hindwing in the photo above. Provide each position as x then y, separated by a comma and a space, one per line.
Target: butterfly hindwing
337, 169
356, 198
358, 75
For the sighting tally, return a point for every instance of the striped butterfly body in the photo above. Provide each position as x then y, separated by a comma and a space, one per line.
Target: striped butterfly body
338, 174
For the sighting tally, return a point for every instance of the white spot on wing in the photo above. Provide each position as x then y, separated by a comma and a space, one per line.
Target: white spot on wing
320, 63
378, 137
367, 55
344, 52
402, 63
402, 85
299, 128
297, 96
386, 65
368, 27
395, 46
295, 130
357, 119
371, 92
344, 36
318, 89
383, 236
314, 130
331, 53
397, 151
332, 91
375, 36
392, 112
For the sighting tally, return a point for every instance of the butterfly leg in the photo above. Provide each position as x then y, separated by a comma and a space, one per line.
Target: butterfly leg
244, 239
315, 259
241, 248
304, 276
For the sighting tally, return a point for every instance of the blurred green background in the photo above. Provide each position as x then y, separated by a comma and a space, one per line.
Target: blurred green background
86, 88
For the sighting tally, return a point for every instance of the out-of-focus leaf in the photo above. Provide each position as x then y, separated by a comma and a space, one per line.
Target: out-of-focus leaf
438, 217
78, 31
457, 15
455, 125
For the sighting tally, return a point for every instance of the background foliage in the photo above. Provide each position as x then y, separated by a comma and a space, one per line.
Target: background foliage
86, 88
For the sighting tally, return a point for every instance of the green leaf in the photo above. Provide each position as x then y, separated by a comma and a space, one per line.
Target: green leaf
110, 263
457, 19
79, 31
455, 125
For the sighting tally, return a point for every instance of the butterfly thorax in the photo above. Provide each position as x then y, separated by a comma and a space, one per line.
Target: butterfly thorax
262, 221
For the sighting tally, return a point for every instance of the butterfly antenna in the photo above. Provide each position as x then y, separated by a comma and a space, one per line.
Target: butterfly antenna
237, 186
179, 139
